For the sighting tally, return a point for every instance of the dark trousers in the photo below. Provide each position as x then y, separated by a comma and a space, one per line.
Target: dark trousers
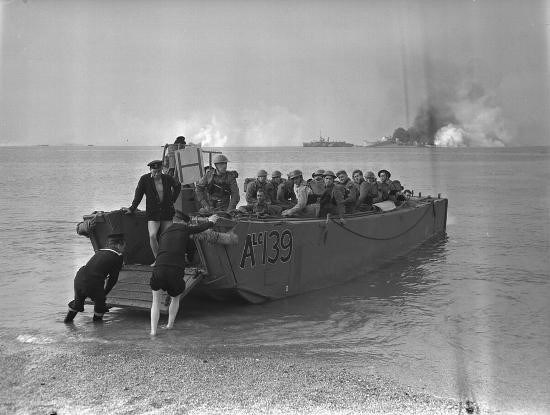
84, 287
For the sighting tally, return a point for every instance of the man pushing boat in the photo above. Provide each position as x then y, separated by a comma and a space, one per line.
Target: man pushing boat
89, 281
169, 269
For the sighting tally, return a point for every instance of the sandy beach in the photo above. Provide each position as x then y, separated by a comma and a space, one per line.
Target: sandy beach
98, 377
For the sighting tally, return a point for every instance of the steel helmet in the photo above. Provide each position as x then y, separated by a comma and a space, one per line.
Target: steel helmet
219, 158
329, 173
276, 173
294, 173
261, 173
388, 174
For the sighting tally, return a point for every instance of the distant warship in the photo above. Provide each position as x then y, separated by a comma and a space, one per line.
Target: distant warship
325, 142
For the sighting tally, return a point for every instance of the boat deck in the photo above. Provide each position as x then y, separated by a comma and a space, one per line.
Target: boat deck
133, 291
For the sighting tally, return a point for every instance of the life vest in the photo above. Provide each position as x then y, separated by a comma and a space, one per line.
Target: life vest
220, 187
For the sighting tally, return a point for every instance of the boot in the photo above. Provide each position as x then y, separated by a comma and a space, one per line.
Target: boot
97, 318
70, 316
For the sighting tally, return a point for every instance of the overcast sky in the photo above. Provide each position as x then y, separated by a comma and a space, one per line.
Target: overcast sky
269, 72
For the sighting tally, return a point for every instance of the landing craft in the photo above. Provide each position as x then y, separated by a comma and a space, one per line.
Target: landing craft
275, 257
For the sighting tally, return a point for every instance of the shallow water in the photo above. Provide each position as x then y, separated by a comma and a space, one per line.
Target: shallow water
464, 315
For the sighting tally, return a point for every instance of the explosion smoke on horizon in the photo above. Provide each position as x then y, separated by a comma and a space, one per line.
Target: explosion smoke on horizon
264, 126
463, 116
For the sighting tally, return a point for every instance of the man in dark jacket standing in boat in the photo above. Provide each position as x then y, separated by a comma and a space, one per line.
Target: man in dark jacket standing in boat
161, 191
89, 281
169, 270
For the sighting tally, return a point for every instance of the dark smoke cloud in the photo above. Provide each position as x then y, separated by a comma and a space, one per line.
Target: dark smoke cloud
457, 114
429, 119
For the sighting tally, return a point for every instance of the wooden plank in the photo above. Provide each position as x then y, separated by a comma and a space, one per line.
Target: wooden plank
133, 290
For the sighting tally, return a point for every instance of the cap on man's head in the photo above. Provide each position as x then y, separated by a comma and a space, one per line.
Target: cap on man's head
319, 172
155, 164
339, 172
261, 173
276, 173
181, 216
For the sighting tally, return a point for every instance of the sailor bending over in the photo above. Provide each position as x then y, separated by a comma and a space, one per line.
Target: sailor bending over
89, 281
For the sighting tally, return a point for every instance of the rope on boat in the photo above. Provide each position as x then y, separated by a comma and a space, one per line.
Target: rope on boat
385, 239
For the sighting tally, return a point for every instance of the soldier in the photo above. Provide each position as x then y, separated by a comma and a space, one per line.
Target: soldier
217, 190
276, 180
351, 191
170, 157
317, 185
357, 177
261, 206
332, 200
396, 194
260, 183
161, 191
368, 193
384, 186
286, 198
302, 192
90, 279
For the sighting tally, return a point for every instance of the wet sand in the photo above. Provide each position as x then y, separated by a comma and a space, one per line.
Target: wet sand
106, 377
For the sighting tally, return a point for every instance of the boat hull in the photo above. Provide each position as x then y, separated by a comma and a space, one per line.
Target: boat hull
277, 259
282, 257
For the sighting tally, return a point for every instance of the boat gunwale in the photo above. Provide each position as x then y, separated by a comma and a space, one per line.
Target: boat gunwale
356, 215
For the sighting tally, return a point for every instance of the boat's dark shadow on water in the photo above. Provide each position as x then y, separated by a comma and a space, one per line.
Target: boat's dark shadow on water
407, 275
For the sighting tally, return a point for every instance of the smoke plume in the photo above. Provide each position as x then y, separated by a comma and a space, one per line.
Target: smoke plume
462, 116
263, 126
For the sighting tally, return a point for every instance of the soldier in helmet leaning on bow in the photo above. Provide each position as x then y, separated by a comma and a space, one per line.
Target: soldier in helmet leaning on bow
217, 190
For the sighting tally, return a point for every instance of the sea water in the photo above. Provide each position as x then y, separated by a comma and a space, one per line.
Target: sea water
465, 315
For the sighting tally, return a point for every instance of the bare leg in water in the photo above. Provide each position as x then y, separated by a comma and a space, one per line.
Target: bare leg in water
155, 312
173, 311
